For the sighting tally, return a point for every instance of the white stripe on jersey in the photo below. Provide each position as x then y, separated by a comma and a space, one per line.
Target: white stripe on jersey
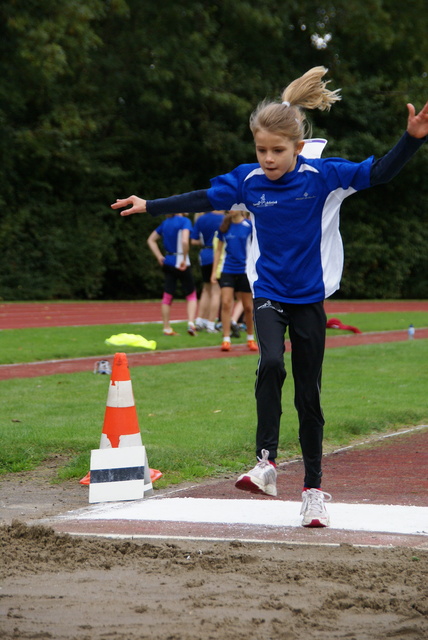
307, 167
255, 172
331, 240
253, 254
179, 250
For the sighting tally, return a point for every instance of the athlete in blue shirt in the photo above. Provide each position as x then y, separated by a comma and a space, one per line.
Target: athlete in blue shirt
174, 232
204, 229
234, 236
296, 261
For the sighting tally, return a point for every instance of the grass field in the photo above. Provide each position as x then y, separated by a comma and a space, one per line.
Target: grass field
197, 419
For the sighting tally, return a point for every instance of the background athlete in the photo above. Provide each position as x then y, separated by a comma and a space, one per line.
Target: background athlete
174, 232
205, 226
234, 236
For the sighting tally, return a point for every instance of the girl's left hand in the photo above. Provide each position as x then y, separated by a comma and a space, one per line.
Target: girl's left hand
417, 124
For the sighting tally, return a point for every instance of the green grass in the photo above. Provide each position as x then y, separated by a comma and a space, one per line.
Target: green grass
32, 345
197, 419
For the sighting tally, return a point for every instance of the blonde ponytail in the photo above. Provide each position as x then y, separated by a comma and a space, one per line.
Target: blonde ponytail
310, 92
287, 117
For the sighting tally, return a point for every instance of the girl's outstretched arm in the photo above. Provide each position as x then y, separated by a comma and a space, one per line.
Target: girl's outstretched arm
192, 202
417, 123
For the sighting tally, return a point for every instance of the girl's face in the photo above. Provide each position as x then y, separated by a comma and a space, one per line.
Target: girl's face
276, 154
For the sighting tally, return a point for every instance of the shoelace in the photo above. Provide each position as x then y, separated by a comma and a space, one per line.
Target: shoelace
263, 461
314, 499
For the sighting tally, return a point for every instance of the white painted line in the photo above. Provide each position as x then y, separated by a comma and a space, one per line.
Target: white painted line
353, 517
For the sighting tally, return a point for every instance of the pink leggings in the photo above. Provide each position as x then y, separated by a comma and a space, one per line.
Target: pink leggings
167, 297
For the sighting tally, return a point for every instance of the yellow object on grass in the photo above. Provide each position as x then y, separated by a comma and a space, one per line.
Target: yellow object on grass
131, 340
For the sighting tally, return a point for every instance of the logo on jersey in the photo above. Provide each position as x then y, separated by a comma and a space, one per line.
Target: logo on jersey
306, 196
265, 203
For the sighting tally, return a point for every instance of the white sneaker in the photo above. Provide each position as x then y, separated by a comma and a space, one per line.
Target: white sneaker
260, 479
313, 508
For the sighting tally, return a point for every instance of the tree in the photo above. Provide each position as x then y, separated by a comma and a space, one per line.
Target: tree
47, 96
101, 99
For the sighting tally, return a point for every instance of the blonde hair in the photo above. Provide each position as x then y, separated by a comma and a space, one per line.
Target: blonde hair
287, 117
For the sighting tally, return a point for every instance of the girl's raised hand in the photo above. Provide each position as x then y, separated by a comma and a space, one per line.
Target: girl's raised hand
417, 124
138, 205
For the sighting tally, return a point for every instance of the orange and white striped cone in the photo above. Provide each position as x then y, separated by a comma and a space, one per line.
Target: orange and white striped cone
120, 419
120, 428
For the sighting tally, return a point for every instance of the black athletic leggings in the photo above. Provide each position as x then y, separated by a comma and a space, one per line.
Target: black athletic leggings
307, 328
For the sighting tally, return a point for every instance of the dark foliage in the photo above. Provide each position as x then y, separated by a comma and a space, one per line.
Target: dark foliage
100, 99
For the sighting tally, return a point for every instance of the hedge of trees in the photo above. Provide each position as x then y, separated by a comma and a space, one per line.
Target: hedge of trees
103, 98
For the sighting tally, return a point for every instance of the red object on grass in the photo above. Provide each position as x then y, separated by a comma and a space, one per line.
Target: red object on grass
335, 323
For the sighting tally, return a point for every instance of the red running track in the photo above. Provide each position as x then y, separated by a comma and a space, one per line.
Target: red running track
15, 315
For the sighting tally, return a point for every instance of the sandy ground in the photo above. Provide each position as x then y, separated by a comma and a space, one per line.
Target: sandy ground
86, 588
65, 587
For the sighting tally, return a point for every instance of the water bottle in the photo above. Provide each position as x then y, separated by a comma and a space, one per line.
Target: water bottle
411, 332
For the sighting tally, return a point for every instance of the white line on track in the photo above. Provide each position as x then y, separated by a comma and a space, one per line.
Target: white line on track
352, 517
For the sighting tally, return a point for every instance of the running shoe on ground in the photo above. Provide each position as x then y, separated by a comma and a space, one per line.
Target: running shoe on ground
225, 345
234, 330
252, 345
313, 508
199, 326
191, 329
260, 479
209, 330
170, 332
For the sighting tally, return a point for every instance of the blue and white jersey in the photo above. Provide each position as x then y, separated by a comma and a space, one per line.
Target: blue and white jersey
236, 246
204, 230
296, 253
171, 231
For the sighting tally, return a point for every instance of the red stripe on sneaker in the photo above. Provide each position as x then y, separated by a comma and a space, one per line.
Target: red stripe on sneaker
246, 484
315, 523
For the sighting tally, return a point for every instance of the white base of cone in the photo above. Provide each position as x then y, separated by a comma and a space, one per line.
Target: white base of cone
119, 474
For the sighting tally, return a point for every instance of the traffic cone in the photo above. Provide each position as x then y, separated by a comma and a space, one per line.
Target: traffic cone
120, 428
120, 418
